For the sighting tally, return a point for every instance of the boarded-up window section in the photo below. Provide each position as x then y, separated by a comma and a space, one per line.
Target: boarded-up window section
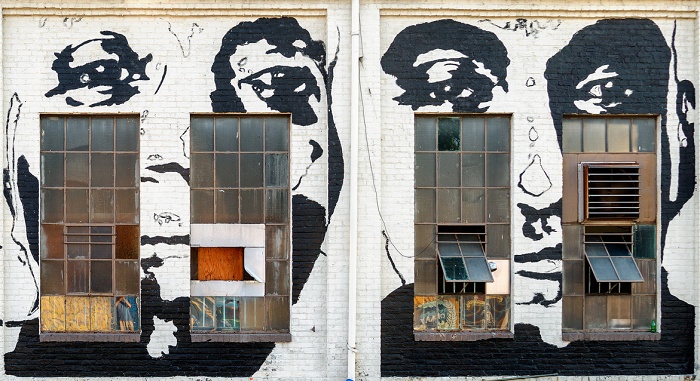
611, 191
220, 263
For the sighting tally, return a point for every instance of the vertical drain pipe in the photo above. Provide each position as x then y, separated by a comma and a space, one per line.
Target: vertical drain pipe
354, 153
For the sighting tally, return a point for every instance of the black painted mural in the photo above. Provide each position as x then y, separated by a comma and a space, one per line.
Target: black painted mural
616, 66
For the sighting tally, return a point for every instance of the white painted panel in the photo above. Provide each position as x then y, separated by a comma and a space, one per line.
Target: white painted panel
226, 288
227, 235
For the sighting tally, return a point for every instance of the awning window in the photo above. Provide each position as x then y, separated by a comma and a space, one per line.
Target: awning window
462, 254
609, 253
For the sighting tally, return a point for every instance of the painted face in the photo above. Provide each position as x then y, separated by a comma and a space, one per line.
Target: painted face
601, 91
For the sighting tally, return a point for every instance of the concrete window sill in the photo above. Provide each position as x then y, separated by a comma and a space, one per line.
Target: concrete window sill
461, 336
241, 337
132, 337
611, 336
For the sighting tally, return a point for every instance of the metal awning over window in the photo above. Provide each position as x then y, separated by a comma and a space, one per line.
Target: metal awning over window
462, 255
609, 253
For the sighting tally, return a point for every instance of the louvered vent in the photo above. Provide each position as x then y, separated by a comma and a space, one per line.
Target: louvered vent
611, 191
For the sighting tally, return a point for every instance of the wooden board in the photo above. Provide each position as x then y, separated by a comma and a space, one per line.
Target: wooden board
220, 263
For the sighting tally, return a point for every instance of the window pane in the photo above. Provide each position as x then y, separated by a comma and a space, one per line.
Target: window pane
498, 173
448, 313
102, 133
498, 134
472, 134
648, 270
425, 205
448, 170
425, 274
499, 316
472, 312
473, 205
645, 133
77, 205
52, 133
128, 242
571, 135
626, 269
425, 170
498, 205
100, 251
77, 276
202, 206
644, 241
101, 316
52, 170
277, 278
572, 308
603, 269
102, 205
202, 170
202, 135
276, 173
101, 276
593, 135
127, 170
126, 277
228, 314
596, 308
448, 134
102, 170
128, 134
449, 205
252, 206
276, 242
52, 241
226, 170
77, 170
573, 279
78, 251
618, 135
251, 170
643, 311
571, 246
454, 268
127, 206
276, 134
277, 313
424, 313
276, 205
52, 277
251, 134
473, 170
425, 133
498, 241
253, 314
424, 246
479, 270
227, 206
77, 134
202, 313
619, 312
226, 135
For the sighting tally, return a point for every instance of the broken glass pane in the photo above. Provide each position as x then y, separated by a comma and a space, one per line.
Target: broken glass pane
448, 134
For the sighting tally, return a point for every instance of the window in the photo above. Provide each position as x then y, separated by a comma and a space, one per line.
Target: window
609, 226
90, 278
240, 206
462, 226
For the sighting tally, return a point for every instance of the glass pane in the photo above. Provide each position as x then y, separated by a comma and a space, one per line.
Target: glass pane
498, 205
424, 313
454, 268
498, 134
226, 135
202, 170
571, 245
126, 276
77, 251
572, 312
595, 250
202, 134
425, 277
276, 172
449, 250
77, 205
498, 172
127, 313
100, 251
425, 170
618, 135
498, 241
626, 269
102, 170
472, 312
276, 242
448, 313
424, 246
479, 270
448, 170
593, 135
227, 206
77, 170
499, 316
127, 170
448, 134
52, 133
127, 206
643, 311
102, 205
77, 134
471, 249
571, 135
644, 241
572, 277
52, 241
226, 170
277, 278
252, 206
425, 205
646, 134
618, 249
52, 278
253, 314
602, 269
102, 133
425, 133
101, 276
228, 313
277, 313
202, 313
128, 242
128, 134
276, 205
251, 134
78, 230
648, 270
251, 170
473, 169
52, 169
202, 206
77, 276
449, 205
472, 134
276, 131
596, 308
619, 311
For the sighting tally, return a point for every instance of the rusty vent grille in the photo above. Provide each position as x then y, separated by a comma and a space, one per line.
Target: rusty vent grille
611, 190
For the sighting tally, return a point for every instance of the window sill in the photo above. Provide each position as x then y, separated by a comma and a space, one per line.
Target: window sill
462, 336
132, 337
241, 337
611, 336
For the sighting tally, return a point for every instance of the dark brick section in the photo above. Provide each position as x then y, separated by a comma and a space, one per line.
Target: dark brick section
527, 354
308, 231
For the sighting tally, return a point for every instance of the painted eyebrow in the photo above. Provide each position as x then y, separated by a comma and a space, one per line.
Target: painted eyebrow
596, 75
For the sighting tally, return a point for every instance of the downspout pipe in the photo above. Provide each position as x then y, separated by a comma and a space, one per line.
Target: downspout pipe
354, 153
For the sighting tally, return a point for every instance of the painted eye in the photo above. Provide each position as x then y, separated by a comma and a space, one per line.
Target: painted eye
84, 78
596, 91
